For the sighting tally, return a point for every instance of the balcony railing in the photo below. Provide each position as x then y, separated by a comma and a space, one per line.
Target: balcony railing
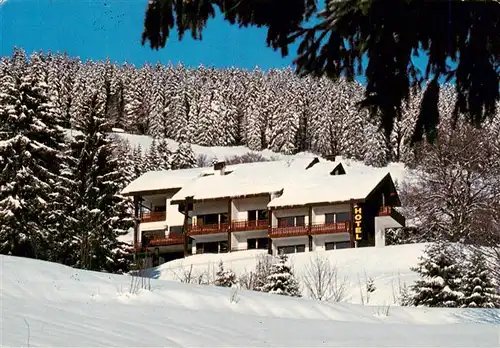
169, 240
249, 225
154, 216
326, 228
200, 229
292, 231
159, 240
393, 213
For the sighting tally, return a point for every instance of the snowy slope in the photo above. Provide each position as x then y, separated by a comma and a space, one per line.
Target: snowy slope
389, 267
50, 305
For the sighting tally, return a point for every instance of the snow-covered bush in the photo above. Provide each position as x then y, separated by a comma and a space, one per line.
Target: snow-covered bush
224, 277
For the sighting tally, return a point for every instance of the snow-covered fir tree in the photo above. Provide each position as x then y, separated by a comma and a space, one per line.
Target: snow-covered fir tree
441, 274
183, 157
31, 145
224, 277
158, 156
477, 283
282, 281
99, 214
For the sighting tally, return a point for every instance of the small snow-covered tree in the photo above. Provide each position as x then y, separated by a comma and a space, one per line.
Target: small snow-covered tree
477, 285
224, 277
441, 275
282, 281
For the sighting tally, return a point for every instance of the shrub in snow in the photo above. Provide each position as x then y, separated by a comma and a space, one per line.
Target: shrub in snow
477, 285
281, 281
321, 280
262, 271
224, 277
441, 277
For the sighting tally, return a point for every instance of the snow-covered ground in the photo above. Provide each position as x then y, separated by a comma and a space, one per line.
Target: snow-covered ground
50, 305
389, 268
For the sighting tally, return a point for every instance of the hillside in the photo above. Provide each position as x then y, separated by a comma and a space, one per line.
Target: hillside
45, 304
389, 268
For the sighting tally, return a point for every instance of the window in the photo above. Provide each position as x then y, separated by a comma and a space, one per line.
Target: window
160, 208
336, 217
223, 218
212, 219
257, 215
300, 221
262, 214
342, 245
252, 243
329, 218
257, 243
212, 247
291, 221
262, 243
291, 249
252, 215
337, 245
342, 217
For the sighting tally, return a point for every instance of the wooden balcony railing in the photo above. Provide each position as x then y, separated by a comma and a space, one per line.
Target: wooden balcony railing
159, 240
390, 211
168, 240
293, 231
154, 216
249, 225
326, 228
200, 229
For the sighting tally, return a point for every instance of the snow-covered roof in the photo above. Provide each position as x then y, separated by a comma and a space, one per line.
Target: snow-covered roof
328, 189
164, 180
253, 178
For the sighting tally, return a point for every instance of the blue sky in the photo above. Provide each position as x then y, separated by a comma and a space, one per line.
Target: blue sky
99, 28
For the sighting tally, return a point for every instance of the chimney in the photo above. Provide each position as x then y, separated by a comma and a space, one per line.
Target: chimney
330, 158
220, 167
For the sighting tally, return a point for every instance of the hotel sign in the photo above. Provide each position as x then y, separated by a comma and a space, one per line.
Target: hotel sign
358, 220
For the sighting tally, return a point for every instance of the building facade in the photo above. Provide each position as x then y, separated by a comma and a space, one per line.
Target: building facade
280, 207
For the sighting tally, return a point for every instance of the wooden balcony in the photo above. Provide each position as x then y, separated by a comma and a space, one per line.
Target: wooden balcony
249, 225
327, 228
393, 213
154, 216
200, 229
293, 231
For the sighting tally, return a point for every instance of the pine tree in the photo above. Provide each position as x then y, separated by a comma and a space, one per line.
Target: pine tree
441, 277
99, 214
31, 145
224, 277
183, 157
282, 281
477, 285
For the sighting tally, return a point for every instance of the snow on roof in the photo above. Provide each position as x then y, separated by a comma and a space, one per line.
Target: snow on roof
252, 178
164, 180
328, 189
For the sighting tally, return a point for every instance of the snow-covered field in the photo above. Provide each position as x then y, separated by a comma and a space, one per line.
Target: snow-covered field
389, 268
50, 305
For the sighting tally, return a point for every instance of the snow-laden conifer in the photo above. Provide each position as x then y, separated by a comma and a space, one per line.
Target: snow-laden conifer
281, 280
